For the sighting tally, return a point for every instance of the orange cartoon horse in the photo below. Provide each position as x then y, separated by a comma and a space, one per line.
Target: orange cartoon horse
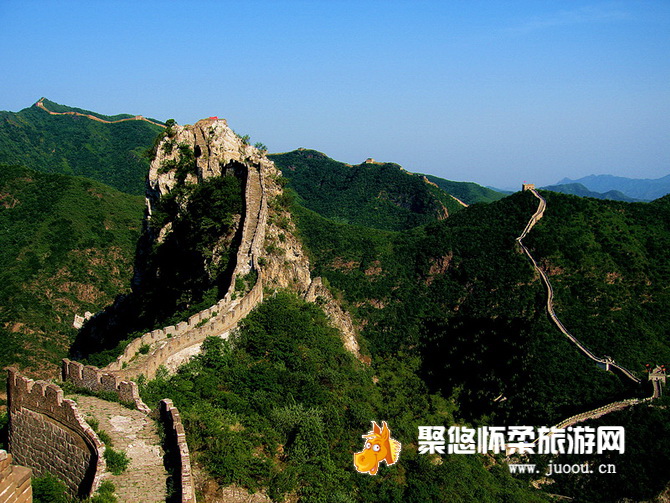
379, 446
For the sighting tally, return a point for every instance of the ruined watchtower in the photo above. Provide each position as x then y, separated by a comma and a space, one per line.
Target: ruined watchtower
658, 374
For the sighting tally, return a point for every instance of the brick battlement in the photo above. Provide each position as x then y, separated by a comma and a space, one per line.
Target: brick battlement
48, 434
161, 353
94, 379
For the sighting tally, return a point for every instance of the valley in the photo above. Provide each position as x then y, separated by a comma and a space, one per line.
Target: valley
317, 296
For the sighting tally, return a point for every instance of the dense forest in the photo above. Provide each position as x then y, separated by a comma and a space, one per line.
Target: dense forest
451, 316
71, 145
66, 247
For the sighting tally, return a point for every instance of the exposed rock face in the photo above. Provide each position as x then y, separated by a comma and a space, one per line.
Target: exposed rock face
287, 266
217, 151
272, 248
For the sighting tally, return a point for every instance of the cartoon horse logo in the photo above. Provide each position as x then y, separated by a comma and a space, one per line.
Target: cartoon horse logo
379, 446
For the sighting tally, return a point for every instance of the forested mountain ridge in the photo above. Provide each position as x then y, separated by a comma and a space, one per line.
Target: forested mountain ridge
468, 192
66, 247
449, 313
374, 194
76, 145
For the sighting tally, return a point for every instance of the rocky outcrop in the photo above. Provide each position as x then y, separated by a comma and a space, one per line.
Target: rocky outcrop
267, 242
286, 265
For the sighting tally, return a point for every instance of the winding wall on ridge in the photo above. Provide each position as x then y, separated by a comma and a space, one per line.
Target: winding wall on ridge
227, 312
603, 362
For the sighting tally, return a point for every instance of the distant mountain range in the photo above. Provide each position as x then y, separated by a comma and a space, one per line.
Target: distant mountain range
642, 189
578, 189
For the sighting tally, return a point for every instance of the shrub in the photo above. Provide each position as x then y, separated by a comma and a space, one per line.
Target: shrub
104, 494
49, 489
117, 461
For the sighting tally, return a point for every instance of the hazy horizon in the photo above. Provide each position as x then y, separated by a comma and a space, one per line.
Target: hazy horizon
490, 92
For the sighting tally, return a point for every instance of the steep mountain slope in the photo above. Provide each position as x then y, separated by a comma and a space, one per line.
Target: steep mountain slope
76, 145
577, 189
636, 188
458, 301
66, 247
468, 192
609, 262
281, 407
450, 315
380, 195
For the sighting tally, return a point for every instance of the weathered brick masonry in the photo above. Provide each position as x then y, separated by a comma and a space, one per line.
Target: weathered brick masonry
14, 481
175, 439
48, 434
94, 379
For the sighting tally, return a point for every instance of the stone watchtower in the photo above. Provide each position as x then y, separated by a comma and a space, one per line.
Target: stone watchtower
527, 186
658, 374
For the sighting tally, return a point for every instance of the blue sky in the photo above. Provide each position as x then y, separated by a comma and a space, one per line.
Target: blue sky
495, 92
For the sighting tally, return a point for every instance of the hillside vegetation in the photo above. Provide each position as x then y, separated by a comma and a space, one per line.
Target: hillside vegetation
73, 145
450, 313
66, 247
468, 192
460, 301
380, 195
283, 407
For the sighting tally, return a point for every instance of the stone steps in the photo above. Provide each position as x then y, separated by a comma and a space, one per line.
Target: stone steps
134, 433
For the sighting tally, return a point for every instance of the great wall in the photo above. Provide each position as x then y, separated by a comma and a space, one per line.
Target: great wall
50, 433
38, 411
40, 104
656, 377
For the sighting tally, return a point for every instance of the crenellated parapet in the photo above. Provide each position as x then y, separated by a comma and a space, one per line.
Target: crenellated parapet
94, 379
48, 434
160, 353
209, 320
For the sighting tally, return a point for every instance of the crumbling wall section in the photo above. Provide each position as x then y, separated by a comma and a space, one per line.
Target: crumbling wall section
177, 449
48, 434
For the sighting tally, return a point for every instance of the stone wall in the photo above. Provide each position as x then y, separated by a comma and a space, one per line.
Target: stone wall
94, 379
48, 434
204, 318
225, 314
14, 481
160, 354
177, 449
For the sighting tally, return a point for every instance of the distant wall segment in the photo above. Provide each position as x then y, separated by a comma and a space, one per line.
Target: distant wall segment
48, 434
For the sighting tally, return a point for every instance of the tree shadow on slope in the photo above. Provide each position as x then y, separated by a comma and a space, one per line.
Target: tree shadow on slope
188, 269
